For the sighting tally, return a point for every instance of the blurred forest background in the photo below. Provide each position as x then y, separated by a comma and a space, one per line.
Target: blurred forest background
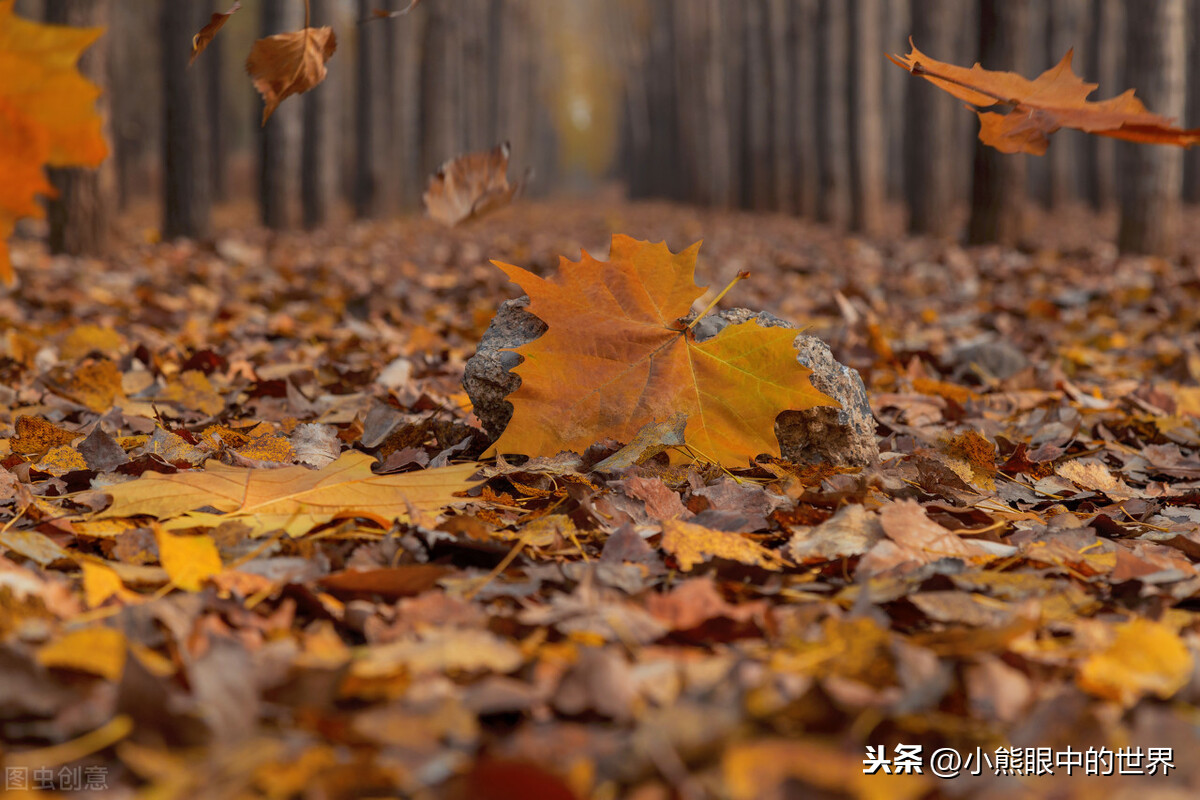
773, 105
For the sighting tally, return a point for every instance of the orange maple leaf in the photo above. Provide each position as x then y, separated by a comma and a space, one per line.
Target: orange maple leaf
617, 356
47, 115
1055, 99
289, 63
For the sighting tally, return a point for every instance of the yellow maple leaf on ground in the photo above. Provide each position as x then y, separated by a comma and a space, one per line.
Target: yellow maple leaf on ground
615, 357
294, 499
47, 115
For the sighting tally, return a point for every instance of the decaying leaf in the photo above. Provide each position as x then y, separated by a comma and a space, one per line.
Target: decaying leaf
1055, 99
289, 63
202, 39
616, 357
47, 115
470, 186
292, 498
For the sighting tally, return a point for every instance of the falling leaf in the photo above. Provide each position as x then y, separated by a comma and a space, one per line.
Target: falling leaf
615, 357
1144, 658
379, 13
47, 115
470, 186
694, 544
188, 560
202, 39
292, 497
98, 651
289, 63
1055, 99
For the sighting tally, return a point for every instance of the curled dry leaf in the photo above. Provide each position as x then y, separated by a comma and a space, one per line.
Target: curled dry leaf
470, 186
202, 39
289, 63
379, 13
1055, 99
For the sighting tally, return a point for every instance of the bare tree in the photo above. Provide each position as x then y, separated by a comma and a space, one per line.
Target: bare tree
187, 200
318, 157
80, 221
1191, 164
1105, 66
868, 181
832, 130
280, 140
929, 127
1153, 175
998, 191
370, 107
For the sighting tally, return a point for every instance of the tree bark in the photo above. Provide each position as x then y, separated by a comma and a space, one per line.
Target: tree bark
782, 35
834, 156
1191, 159
808, 118
758, 162
998, 191
279, 154
318, 157
1105, 66
1066, 30
896, 83
929, 128
80, 221
1153, 176
187, 199
867, 147
369, 115
215, 118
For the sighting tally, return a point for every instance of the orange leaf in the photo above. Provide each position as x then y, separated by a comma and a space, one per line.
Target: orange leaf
1055, 99
615, 358
201, 40
98, 651
1144, 658
188, 560
47, 115
289, 63
470, 186
693, 544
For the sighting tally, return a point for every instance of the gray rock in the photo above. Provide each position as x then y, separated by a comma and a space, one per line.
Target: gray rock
843, 437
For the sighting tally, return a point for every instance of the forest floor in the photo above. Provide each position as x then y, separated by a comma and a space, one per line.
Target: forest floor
1016, 579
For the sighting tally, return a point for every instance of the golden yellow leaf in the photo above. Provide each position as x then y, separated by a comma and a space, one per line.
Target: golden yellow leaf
101, 582
763, 768
35, 435
192, 389
47, 115
98, 651
61, 460
693, 544
292, 496
188, 560
84, 339
1144, 658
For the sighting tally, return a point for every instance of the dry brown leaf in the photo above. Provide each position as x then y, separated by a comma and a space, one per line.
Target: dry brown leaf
289, 63
202, 39
470, 186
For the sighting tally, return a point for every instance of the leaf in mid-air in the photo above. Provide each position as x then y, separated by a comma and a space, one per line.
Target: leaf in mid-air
289, 63
470, 186
294, 499
205, 36
616, 357
1055, 99
47, 115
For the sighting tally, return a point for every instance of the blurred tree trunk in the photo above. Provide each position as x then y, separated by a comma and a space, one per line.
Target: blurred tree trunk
319, 152
404, 89
1153, 176
80, 221
1191, 170
867, 147
215, 117
832, 144
807, 75
998, 192
929, 127
442, 87
370, 114
280, 138
716, 72
897, 20
187, 199
1067, 30
1106, 66
758, 164
782, 33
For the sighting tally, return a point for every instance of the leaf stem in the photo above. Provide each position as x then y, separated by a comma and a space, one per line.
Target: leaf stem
307, 14
740, 276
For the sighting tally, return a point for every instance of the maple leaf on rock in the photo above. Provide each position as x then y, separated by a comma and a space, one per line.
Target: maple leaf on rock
47, 115
616, 356
1055, 99
289, 63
